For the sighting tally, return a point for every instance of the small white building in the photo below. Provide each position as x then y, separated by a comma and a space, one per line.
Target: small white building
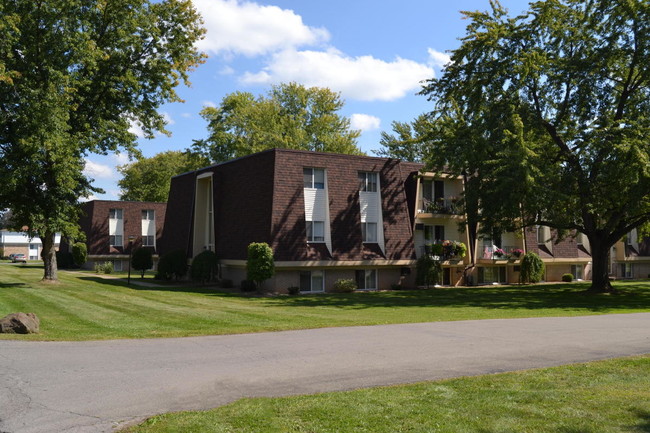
20, 243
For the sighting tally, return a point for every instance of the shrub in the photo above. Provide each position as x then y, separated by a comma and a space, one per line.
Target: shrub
79, 253
259, 265
226, 283
344, 286
248, 286
172, 265
567, 278
532, 269
104, 268
460, 249
142, 260
427, 271
204, 267
64, 260
436, 249
396, 286
293, 290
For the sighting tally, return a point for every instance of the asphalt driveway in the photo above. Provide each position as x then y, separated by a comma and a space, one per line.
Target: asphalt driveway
98, 386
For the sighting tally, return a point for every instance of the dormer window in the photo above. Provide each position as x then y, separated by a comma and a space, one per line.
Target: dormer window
314, 178
368, 182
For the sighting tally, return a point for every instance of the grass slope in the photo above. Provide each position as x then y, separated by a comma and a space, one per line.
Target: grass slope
86, 307
598, 397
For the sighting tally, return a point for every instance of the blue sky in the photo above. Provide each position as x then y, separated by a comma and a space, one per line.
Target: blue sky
375, 53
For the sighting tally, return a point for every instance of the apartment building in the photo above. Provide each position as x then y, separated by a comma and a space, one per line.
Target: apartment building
112, 228
329, 216
630, 258
20, 243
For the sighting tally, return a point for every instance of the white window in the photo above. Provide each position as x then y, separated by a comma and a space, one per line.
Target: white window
148, 214
366, 279
626, 270
115, 214
315, 231
369, 232
541, 235
148, 241
115, 227
314, 178
312, 281
368, 182
577, 272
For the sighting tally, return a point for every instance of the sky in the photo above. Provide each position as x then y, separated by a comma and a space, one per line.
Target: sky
374, 53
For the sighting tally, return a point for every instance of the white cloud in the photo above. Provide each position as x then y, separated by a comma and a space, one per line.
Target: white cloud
363, 78
136, 128
438, 59
121, 158
226, 70
98, 171
209, 104
168, 118
364, 122
242, 27
186, 115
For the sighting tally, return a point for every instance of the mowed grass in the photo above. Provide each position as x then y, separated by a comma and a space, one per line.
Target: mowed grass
597, 397
85, 306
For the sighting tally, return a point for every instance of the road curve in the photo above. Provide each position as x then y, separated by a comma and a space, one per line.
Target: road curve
98, 386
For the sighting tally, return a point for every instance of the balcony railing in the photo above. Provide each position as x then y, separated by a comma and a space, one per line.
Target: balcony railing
445, 250
448, 206
501, 253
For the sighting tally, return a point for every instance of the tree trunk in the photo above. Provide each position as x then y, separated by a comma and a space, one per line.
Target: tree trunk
599, 274
49, 257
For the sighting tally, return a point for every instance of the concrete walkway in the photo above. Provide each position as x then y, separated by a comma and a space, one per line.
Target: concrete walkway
99, 385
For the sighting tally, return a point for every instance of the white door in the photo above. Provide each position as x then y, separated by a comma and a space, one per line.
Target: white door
33, 252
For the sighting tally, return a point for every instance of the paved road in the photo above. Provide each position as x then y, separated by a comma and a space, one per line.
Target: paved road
98, 386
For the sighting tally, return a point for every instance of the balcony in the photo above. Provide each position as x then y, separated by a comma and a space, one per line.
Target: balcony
445, 250
441, 206
501, 253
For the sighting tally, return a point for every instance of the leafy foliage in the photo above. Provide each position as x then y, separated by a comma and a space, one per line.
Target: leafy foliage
531, 269
550, 124
172, 265
407, 142
79, 253
291, 116
344, 286
204, 267
567, 278
74, 76
142, 260
148, 179
427, 271
260, 265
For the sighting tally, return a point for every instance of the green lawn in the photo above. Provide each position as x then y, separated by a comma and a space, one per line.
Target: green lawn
598, 397
86, 307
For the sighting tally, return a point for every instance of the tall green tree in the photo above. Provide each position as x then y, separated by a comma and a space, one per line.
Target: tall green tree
148, 179
407, 142
290, 116
549, 115
73, 76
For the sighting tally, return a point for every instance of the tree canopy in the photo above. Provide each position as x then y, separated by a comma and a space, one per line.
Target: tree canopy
74, 75
290, 116
548, 114
407, 142
148, 179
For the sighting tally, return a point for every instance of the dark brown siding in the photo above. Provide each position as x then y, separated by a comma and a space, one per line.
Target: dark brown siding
94, 223
243, 198
178, 220
567, 248
289, 231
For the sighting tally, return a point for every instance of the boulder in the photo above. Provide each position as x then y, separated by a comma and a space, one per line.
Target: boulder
19, 323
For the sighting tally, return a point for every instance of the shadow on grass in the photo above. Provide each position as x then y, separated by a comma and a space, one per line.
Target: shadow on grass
166, 286
635, 296
12, 285
560, 296
644, 420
